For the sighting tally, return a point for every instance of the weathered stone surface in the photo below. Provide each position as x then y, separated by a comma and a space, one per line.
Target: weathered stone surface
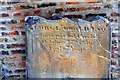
64, 49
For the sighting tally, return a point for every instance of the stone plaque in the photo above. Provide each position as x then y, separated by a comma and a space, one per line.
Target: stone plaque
62, 48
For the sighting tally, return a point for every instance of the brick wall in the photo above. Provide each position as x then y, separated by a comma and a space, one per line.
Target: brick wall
12, 39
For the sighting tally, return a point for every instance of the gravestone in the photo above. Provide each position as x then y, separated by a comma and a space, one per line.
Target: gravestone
61, 49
